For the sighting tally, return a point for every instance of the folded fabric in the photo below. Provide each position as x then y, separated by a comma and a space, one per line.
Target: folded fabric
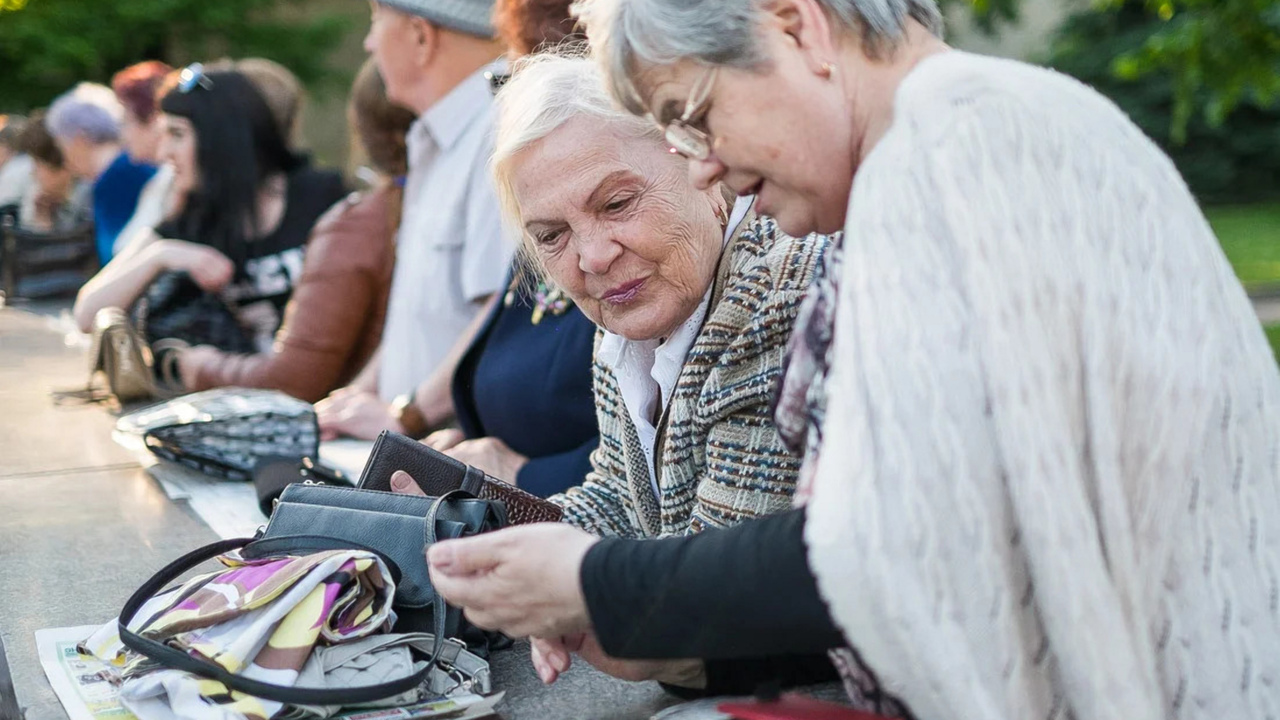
258, 618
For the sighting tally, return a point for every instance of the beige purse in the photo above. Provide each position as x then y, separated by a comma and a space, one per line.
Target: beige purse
126, 364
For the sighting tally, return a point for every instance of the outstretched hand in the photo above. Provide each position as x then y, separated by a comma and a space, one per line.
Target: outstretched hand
522, 580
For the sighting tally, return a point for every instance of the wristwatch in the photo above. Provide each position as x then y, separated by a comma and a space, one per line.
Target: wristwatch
411, 419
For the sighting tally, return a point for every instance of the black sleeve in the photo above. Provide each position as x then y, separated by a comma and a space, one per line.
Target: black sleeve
742, 592
747, 676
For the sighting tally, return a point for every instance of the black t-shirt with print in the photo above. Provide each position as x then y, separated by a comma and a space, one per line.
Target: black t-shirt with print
271, 266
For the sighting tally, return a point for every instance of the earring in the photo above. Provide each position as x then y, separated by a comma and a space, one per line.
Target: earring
720, 215
827, 70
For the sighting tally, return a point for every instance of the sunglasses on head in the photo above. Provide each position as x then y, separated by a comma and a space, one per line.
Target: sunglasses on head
192, 76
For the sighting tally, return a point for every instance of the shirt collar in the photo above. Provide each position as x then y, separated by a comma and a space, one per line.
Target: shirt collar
453, 114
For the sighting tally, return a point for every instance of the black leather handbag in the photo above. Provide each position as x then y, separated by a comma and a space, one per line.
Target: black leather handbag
174, 307
315, 518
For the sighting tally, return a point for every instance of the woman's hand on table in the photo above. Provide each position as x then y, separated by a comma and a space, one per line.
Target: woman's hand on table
491, 455
552, 657
350, 412
444, 440
522, 580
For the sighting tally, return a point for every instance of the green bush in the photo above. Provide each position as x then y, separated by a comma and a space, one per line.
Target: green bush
47, 46
1237, 161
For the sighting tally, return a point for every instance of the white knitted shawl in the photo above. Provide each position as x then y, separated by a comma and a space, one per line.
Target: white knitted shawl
1048, 486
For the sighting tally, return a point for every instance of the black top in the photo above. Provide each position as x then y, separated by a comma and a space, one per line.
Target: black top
530, 386
271, 266
741, 598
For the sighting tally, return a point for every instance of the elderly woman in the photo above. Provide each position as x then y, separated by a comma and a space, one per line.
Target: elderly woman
1039, 416
695, 300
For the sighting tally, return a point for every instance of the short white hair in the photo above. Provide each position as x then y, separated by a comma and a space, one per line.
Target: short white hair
627, 35
545, 92
90, 110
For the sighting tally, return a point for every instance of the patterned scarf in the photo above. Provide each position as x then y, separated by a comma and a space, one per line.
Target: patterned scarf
257, 618
800, 409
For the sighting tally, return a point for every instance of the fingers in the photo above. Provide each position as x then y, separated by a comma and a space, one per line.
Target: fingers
462, 558
538, 652
442, 440
402, 482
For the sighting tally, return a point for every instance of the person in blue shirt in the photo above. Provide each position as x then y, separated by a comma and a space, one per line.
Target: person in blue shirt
86, 123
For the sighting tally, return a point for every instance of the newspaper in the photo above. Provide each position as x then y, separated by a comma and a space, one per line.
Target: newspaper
83, 686
80, 681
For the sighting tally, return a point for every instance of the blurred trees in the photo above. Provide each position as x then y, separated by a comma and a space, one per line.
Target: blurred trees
1218, 55
1206, 90
46, 46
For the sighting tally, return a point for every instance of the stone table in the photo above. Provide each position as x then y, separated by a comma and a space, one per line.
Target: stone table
83, 525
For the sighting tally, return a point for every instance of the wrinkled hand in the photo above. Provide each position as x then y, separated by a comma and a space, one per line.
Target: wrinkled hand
522, 580
490, 455
350, 412
551, 658
445, 439
210, 269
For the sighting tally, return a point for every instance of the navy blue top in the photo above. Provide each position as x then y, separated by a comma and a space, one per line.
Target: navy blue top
530, 386
115, 196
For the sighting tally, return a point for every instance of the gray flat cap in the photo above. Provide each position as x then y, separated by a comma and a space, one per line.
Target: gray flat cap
473, 17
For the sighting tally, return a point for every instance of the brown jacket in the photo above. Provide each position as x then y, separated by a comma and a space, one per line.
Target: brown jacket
333, 322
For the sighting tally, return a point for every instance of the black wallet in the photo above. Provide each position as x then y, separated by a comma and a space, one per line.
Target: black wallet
437, 474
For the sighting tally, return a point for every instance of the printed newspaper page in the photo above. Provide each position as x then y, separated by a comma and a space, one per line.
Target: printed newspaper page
80, 681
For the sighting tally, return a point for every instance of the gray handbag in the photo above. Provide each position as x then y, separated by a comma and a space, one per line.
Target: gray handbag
313, 518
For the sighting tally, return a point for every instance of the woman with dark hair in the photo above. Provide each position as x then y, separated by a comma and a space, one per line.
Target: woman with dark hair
333, 323
247, 205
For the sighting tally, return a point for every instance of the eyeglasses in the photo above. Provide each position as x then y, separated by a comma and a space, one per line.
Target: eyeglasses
193, 76
684, 138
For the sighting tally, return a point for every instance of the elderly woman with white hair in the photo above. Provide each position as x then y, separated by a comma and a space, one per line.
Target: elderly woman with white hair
1041, 422
86, 122
695, 299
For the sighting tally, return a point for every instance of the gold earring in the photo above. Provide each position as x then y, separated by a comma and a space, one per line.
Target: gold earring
827, 70
720, 215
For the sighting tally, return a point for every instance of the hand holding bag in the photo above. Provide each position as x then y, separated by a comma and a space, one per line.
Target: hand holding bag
437, 474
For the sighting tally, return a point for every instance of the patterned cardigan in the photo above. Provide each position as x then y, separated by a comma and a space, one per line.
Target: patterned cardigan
720, 459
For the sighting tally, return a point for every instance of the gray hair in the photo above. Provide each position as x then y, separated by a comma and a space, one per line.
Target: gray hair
629, 34
90, 110
545, 92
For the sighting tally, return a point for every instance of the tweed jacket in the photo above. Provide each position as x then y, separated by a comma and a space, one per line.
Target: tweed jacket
719, 459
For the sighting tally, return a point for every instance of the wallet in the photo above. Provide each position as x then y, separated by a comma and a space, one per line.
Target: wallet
437, 474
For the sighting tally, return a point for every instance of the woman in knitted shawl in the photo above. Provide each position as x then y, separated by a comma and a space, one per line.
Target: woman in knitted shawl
1042, 424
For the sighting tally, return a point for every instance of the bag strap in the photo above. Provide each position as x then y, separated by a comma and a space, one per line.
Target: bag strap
172, 657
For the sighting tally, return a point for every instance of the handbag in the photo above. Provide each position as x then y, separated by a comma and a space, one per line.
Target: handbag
126, 364
313, 518
227, 432
175, 308
437, 474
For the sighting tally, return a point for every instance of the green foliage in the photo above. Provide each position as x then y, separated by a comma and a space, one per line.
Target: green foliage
1220, 53
1273, 336
47, 46
1225, 155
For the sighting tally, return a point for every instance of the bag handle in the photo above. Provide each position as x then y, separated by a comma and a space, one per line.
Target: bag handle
174, 658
